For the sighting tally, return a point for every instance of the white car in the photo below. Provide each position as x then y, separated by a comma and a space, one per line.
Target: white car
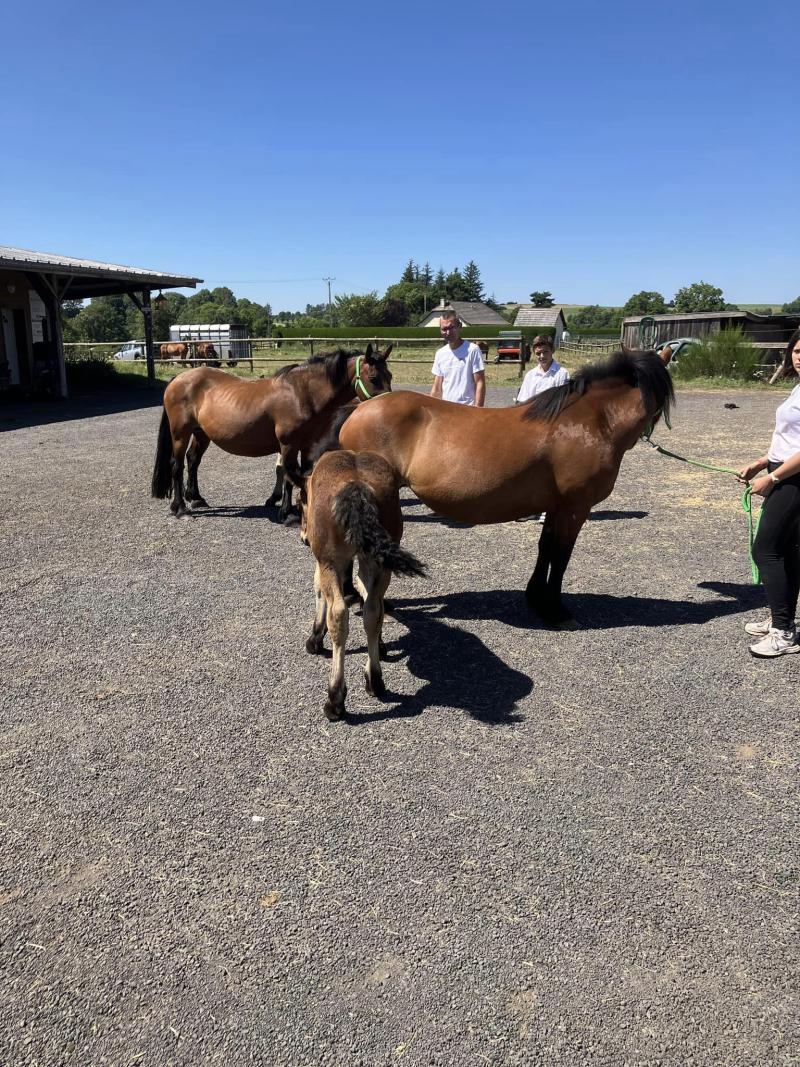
131, 350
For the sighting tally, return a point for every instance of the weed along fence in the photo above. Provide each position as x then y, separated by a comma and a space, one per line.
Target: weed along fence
254, 352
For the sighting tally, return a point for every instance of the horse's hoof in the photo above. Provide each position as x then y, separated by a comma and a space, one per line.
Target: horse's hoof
198, 503
314, 645
178, 512
374, 685
291, 520
333, 712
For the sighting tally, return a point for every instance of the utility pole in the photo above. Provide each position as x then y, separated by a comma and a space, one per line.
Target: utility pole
330, 313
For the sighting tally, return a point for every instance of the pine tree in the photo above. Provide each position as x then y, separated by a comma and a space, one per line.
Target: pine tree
472, 281
410, 274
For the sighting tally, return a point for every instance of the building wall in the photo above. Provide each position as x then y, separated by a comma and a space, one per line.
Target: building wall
27, 356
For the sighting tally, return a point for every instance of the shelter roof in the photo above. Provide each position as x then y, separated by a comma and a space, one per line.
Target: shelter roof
89, 277
539, 316
471, 313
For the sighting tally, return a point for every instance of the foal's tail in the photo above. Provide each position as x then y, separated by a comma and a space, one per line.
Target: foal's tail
162, 471
356, 511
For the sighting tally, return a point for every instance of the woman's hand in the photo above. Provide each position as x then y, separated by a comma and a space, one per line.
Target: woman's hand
746, 473
762, 486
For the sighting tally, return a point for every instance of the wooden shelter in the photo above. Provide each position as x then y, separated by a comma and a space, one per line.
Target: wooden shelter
32, 286
553, 318
769, 332
470, 312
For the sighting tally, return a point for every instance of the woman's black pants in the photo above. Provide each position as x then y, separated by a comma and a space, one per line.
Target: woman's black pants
777, 550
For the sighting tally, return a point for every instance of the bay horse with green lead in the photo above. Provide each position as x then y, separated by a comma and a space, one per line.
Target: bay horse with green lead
560, 453
287, 413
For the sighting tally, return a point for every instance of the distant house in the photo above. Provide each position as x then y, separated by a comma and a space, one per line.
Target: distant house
470, 312
550, 317
770, 332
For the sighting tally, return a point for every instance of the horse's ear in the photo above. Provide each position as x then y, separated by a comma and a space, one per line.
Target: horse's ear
387, 352
368, 353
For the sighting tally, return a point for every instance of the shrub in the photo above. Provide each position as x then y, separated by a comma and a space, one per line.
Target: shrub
725, 354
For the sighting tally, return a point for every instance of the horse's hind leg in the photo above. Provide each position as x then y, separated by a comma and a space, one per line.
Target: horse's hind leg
180, 443
376, 582
319, 626
338, 625
197, 448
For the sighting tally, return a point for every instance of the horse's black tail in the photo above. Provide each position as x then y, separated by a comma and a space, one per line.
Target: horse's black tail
356, 511
162, 471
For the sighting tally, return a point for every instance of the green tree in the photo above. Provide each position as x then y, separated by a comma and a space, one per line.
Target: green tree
793, 305
595, 317
472, 281
645, 303
105, 318
393, 312
412, 296
410, 274
454, 285
699, 296
542, 299
354, 309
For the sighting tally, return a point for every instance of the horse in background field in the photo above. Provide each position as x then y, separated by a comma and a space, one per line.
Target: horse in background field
351, 510
559, 453
175, 350
287, 413
205, 350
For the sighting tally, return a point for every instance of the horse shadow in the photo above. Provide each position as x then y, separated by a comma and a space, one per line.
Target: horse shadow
431, 516
457, 669
593, 611
249, 511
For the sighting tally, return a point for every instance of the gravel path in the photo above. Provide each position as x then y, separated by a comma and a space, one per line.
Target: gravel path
555, 848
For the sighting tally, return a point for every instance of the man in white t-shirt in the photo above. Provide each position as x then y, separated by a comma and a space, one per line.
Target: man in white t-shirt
458, 370
545, 375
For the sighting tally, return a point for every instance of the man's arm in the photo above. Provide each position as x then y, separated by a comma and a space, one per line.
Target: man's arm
436, 388
480, 387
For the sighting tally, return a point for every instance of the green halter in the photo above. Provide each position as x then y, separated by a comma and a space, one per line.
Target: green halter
358, 381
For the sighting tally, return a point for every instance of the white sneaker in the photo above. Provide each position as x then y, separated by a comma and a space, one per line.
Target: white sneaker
758, 629
776, 643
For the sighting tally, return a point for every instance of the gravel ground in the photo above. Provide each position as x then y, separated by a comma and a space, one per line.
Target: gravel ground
556, 848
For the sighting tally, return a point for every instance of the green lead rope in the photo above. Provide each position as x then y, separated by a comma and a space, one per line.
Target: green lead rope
747, 502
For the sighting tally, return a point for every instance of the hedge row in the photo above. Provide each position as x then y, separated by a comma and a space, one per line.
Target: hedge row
399, 333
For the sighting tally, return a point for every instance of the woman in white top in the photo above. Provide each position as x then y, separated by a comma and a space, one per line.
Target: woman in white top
777, 545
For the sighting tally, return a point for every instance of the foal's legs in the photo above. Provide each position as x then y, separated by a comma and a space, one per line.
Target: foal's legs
200, 442
375, 583
319, 626
338, 625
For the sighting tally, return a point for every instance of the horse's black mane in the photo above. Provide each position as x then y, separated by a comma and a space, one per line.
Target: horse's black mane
335, 364
643, 370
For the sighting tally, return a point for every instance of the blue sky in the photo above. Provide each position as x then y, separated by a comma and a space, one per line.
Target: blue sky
590, 149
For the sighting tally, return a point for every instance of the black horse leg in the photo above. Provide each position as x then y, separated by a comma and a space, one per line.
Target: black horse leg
197, 448
277, 492
178, 504
543, 592
293, 476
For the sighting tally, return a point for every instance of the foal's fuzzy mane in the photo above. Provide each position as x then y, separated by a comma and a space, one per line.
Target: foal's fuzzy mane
334, 364
643, 370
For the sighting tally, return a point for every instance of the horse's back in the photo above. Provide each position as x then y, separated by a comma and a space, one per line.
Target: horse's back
335, 472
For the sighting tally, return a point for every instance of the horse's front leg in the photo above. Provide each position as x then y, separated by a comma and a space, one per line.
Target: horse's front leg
293, 476
277, 492
555, 551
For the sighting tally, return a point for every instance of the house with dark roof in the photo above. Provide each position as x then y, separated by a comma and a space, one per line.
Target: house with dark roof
552, 317
470, 312
32, 287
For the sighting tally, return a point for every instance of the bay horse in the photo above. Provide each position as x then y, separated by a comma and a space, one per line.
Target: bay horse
175, 350
286, 413
559, 453
351, 510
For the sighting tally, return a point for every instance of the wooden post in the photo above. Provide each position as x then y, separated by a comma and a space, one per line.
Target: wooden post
147, 314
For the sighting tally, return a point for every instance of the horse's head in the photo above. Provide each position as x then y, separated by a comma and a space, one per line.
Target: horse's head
371, 373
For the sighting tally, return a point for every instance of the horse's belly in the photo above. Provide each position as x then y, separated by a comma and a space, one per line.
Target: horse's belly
241, 436
477, 505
